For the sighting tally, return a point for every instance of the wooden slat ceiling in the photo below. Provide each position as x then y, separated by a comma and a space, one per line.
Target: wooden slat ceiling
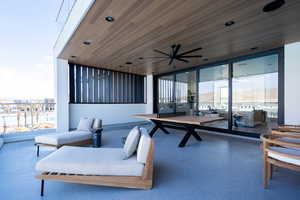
140, 26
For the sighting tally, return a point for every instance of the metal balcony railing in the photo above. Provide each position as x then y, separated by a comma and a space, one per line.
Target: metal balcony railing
25, 117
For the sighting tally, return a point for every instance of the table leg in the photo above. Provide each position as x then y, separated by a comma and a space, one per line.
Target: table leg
154, 129
157, 126
190, 131
185, 139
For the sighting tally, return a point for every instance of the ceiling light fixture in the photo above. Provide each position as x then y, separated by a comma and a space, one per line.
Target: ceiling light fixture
274, 5
88, 42
229, 23
109, 19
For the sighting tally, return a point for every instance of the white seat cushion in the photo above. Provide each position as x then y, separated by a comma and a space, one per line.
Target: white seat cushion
295, 152
131, 142
90, 161
85, 124
63, 138
143, 148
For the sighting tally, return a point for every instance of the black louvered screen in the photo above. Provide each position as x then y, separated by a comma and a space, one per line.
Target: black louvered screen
102, 86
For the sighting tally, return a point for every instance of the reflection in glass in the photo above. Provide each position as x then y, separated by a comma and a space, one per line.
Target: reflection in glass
186, 91
255, 94
166, 94
213, 94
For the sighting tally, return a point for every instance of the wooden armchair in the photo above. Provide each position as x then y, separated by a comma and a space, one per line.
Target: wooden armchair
280, 149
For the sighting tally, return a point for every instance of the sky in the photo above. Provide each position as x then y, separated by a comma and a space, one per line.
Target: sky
27, 35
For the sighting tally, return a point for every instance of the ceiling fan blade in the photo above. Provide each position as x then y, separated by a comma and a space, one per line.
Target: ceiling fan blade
158, 51
196, 56
176, 50
171, 60
155, 57
190, 51
183, 60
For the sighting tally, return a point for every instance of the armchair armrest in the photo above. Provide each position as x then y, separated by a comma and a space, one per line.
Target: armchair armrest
277, 133
272, 140
289, 128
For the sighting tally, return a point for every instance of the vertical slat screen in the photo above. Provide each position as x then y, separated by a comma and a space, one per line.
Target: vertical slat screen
94, 85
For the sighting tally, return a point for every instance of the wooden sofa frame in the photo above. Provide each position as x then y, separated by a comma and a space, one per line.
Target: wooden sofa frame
138, 182
79, 143
269, 163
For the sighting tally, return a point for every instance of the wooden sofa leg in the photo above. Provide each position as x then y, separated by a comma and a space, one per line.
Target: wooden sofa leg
42, 187
37, 150
266, 174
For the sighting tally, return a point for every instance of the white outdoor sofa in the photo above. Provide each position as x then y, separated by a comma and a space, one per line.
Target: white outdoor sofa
100, 166
80, 137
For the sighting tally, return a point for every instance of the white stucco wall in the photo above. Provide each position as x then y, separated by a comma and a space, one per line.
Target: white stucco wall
292, 83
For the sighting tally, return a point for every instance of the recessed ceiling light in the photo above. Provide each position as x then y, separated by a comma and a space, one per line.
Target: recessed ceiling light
229, 23
73, 56
88, 42
128, 63
109, 19
274, 5
254, 48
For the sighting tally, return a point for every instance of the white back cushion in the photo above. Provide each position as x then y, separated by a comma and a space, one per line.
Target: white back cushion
143, 148
131, 142
85, 124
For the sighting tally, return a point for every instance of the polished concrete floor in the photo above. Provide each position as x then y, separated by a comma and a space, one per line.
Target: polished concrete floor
218, 168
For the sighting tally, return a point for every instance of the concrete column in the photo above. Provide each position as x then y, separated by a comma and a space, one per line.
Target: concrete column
149, 106
61, 94
292, 83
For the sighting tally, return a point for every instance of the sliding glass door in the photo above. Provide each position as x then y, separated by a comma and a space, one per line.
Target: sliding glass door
166, 103
247, 92
186, 92
255, 94
213, 94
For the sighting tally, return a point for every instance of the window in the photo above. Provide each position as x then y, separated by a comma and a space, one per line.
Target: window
247, 92
213, 94
95, 85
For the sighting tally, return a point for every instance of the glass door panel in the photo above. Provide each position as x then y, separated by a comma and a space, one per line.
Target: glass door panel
166, 94
186, 92
255, 94
213, 94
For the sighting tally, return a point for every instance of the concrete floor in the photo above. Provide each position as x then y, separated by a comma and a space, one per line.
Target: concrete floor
218, 168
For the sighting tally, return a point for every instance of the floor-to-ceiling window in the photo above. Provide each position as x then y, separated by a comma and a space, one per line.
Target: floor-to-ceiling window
246, 91
255, 94
213, 94
186, 92
166, 94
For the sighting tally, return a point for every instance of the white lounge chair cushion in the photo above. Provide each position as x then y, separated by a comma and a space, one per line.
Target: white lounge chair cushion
63, 138
90, 161
289, 151
85, 124
131, 142
143, 148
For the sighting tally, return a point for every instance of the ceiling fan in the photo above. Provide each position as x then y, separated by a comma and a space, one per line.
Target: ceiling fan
176, 55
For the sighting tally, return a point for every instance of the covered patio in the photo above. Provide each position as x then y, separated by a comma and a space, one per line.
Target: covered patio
221, 167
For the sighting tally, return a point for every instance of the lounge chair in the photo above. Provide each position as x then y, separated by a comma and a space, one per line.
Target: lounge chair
80, 137
280, 149
100, 166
